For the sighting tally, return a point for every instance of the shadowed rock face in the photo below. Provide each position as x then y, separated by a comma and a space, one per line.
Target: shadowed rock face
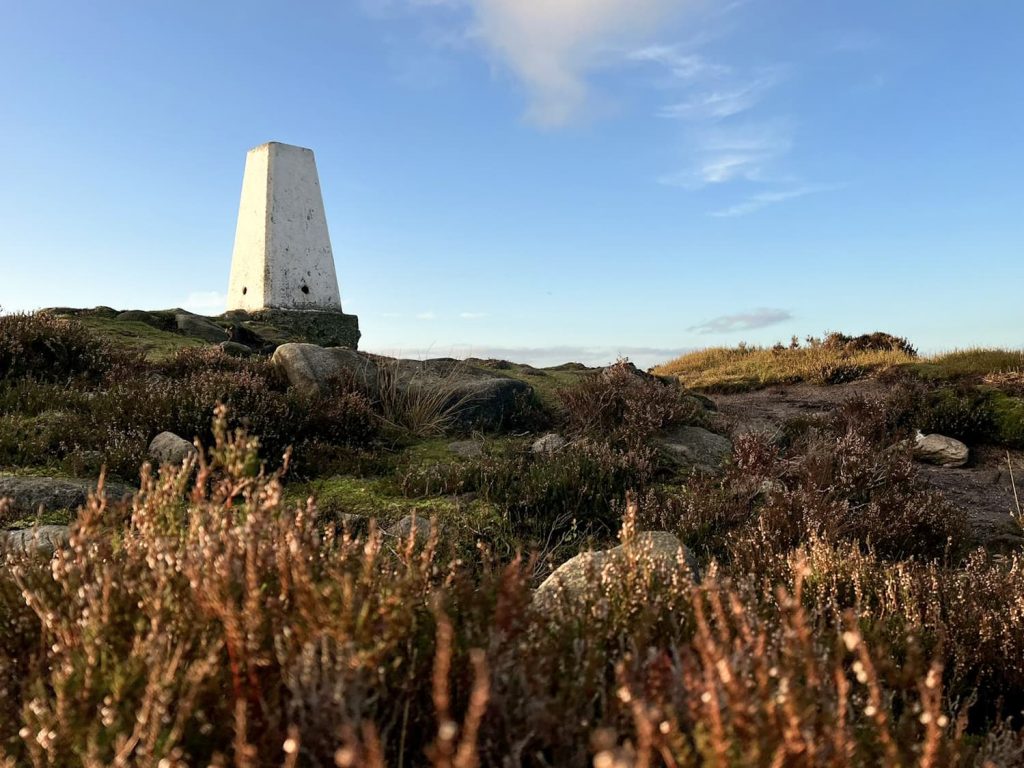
480, 397
696, 448
585, 573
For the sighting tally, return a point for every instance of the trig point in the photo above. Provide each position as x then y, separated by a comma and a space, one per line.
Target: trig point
282, 259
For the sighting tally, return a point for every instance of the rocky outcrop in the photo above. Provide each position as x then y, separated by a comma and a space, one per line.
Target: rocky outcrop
476, 397
168, 448
587, 572
27, 495
940, 450
695, 448
199, 327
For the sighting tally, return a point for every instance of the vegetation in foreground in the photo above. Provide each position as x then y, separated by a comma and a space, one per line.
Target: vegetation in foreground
844, 617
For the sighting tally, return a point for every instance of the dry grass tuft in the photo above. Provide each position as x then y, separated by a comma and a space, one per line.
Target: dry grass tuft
721, 369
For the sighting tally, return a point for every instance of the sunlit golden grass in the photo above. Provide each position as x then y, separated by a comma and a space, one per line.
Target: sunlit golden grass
743, 368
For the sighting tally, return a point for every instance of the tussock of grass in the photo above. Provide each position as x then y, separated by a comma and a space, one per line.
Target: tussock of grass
975, 362
721, 369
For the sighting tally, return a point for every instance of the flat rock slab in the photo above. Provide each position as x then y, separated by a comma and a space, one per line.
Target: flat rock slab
466, 448
27, 495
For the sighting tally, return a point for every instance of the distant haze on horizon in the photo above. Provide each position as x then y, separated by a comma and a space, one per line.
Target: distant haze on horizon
573, 180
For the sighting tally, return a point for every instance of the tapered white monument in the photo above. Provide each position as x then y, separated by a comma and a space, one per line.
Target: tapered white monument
282, 257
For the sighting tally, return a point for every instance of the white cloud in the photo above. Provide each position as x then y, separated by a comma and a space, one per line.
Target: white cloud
472, 315
551, 45
205, 302
429, 315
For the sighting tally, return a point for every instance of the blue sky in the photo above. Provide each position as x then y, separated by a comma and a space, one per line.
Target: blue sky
543, 181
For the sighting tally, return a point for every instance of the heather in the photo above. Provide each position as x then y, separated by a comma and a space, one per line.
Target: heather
262, 603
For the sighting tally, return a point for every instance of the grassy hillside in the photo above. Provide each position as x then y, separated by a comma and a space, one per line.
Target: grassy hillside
742, 368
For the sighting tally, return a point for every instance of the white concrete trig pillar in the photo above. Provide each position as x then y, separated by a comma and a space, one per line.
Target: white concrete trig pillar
282, 257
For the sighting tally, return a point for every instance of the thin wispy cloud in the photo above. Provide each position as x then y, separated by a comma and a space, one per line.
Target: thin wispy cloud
721, 154
724, 145
725, 101
680, 66
763, 199
429, 315
472, 315
763, 317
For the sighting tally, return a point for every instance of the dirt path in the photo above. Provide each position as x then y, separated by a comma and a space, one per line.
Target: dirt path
982, 488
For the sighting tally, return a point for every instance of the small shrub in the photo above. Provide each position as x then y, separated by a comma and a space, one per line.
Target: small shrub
868, 342
962, 412
544, 494
624, 406
839, 373
50, 348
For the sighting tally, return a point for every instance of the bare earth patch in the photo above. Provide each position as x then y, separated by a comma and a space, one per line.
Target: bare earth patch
982, 488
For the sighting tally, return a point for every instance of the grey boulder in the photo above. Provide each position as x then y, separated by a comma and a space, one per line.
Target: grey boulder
315, 370
44, 539
591, 573
695, 448
550, 443
941, 450
27, 495
168, 448
200, 328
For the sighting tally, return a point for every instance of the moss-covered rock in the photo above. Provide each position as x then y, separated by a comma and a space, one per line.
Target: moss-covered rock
1008, 415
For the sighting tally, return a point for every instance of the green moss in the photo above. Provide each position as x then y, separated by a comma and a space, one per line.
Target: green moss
156, 344
1008, 413
462, 523
47, 517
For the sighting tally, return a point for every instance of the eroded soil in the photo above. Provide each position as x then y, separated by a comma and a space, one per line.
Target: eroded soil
983, 488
